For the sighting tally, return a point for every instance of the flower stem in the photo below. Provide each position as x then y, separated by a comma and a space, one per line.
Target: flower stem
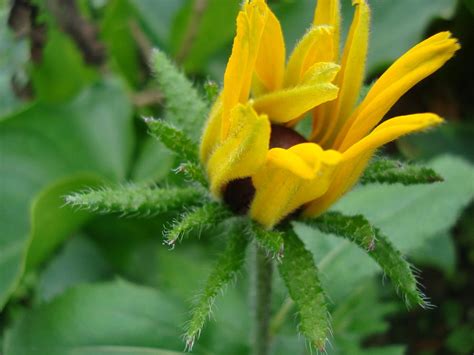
263, 293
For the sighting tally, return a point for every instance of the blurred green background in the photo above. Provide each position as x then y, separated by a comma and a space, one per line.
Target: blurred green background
74, 83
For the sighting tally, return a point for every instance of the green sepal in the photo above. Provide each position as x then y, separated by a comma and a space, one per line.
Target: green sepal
358, 230
184, 106
134, 199
355, 228
388, 171
300, 275
194, 172
270, 240
197, 219
173, 138
224, 272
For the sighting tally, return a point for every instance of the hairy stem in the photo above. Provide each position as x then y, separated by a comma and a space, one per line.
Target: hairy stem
263, 292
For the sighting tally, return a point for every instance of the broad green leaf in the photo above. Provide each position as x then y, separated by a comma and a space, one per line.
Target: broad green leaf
156, 17
117, 35
228, 265
359, 316
80, 261
453, 138
388, 171
110, 318
389, 37
301, 278
438, 251
136, 200
51, 222
12, 64
408, 215
198, 35
60, 56
46, 143
185, 108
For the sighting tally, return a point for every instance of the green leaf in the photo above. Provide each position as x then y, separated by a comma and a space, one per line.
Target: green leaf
46, 143
438, 251
272, 241
359, 231
109, 318
359, 316
174, 139
224, 272
80, 261
453, 138
60, 56
208, 31
301, 278
134, 200
389, 171
14, 57
156, 17
51, 223
354, 228
117, 35
185, 108
409, 215
388, 38
196, 220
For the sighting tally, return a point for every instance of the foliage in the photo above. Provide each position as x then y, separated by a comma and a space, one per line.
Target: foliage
72, 131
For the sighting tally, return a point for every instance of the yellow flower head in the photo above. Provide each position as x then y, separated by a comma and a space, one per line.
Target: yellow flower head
248, 147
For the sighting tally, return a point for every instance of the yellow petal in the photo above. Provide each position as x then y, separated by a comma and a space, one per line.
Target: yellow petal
212, 131
244, 150
391, 130
289, 179
415, 65
355, 159
328, 12
315, 46
240, 68
351, 76
289, 104
270, 63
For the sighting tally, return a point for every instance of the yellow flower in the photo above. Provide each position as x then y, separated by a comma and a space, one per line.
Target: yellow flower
248, 145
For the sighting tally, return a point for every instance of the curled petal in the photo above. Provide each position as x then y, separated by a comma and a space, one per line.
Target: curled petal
328, 12
240, 68
317, 45
349, 79
316, 88
270, 62
415, 65
244, 150
289, 179
355, 159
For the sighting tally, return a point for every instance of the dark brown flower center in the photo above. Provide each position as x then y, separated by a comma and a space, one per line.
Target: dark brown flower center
238, 193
